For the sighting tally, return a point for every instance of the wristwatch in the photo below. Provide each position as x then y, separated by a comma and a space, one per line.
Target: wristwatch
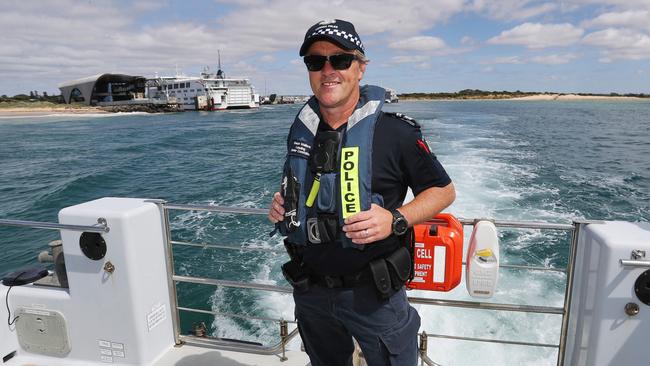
400, 225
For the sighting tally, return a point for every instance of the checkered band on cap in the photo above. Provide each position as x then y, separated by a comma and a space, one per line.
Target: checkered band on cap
339, 33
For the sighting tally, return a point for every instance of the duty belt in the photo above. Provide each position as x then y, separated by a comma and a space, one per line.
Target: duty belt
387, 274
362, 278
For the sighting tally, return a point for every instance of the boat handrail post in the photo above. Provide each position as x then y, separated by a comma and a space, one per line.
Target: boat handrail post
577, 227
169, 261
422, 349
284, 333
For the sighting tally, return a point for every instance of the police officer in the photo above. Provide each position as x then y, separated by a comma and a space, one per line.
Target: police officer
346, 175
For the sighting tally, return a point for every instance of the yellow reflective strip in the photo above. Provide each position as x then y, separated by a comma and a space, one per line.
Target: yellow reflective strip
350, 198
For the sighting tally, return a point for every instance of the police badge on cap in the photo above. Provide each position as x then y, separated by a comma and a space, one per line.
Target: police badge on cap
338, 31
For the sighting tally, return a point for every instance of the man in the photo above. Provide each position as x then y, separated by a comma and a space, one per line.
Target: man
346, 175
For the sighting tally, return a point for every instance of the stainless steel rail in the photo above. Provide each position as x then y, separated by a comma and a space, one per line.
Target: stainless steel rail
215, 208
235, 346
228, 247
169, 264
573, 250
415, 300
221, 344
522, 224
488, 340
635, 263
264, 212
240, 346
488, 305
101, 226
233, 315
234, 284
530, 268
282, 251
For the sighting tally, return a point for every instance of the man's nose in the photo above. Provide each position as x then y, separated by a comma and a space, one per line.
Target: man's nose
327, 68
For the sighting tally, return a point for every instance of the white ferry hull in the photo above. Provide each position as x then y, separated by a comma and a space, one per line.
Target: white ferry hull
205, 93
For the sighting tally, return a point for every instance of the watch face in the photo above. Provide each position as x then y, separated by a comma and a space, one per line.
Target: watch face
400, 226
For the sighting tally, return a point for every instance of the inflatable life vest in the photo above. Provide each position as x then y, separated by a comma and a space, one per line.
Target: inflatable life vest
341, 193
437, 254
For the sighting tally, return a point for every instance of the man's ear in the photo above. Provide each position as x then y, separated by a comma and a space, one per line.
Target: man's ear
362, 69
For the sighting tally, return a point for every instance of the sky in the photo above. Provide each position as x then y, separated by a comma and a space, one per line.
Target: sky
589, 46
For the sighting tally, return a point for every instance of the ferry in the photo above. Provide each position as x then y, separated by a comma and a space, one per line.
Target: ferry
209, 91
112, 299
391, 96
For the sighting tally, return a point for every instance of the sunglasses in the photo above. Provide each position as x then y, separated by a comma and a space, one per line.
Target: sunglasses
342, 61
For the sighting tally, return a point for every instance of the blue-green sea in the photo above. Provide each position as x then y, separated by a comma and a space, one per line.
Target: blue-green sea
511, 160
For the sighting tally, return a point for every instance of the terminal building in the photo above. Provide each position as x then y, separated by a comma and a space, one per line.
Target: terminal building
105, 89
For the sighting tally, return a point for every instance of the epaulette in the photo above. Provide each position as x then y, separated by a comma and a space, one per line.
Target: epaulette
404, 118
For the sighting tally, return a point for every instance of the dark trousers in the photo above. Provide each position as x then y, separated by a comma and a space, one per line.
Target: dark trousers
385, 329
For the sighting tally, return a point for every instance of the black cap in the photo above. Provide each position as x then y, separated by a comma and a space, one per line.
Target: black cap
338, 31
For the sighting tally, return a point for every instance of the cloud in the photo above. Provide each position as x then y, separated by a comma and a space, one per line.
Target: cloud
620, 44
467, 41
512, 9
45, 43
619, 4
420, 43
628, 19
106, 36
554, 59
268, 58
409, 59
536, 35
148, 5
513, 60
288, 19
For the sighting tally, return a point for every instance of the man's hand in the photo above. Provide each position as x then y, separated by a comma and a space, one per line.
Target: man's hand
369, 226
276, 212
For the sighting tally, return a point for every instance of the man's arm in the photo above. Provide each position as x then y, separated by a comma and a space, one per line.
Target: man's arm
428, 203
376, 224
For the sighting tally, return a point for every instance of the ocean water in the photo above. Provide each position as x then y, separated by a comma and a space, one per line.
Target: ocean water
510, 160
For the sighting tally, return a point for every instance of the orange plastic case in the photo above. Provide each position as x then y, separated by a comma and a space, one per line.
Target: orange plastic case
438, 254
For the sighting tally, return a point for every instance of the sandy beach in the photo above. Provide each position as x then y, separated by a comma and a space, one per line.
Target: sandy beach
34, 112
573, 97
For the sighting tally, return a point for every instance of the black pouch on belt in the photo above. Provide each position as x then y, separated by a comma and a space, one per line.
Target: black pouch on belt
399, 265
381, 277
296, 275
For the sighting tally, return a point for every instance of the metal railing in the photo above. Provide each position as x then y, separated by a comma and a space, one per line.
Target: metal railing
101, 226
285, 337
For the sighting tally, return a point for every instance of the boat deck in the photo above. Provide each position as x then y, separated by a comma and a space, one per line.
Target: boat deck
199, 356
179, 356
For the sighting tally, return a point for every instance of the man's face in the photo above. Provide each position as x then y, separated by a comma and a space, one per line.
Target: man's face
335, 88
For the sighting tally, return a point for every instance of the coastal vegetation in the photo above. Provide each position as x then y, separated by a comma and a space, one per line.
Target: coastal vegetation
31, 100
486, 94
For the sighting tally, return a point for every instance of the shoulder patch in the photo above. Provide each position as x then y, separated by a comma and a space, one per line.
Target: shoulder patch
404, 118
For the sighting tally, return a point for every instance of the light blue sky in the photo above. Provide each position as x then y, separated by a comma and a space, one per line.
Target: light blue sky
597, 46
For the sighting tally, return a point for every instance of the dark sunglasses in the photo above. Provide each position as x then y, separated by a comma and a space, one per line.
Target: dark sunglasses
342, 61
